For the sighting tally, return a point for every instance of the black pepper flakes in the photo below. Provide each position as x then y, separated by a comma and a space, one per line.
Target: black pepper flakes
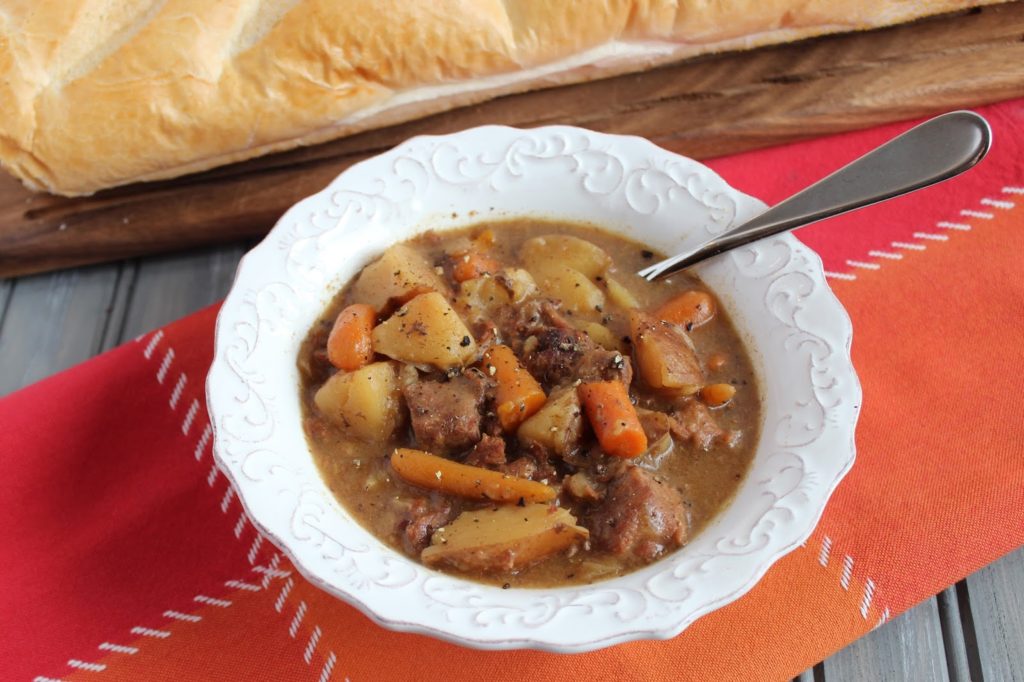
506, 586
647, 255
465, 341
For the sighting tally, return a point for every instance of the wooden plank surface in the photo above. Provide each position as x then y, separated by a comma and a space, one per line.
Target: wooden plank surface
170, 287
908, 648
704, 107
53, 322
955, 634
997, 610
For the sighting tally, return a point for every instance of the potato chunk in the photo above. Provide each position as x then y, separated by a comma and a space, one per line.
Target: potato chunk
564, 251
364, 402
426, 331
558, 425
620, 295
576, 292
482, 297
400, 273
601, 335
518, 282
665, 355
503, 539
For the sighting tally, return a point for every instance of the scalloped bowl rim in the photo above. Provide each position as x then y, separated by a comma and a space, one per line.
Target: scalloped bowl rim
636, 187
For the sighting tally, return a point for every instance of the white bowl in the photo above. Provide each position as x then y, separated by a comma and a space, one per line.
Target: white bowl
797, 333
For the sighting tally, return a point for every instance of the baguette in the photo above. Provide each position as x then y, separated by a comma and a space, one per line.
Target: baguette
99, 93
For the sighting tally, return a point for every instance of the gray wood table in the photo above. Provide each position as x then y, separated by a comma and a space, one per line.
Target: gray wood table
972, 631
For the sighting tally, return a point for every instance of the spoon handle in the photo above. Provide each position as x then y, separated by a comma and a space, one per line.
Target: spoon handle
931, 152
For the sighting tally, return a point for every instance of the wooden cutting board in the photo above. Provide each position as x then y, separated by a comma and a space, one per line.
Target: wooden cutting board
703, 107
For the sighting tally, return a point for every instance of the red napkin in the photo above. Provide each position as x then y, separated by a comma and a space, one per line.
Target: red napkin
129, 557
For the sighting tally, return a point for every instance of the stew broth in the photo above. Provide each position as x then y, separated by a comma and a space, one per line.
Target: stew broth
628, 510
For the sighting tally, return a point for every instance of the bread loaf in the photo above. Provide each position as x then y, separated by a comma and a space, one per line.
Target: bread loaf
98, 93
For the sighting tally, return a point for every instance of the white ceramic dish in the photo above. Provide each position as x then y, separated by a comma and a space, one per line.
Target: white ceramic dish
798, 334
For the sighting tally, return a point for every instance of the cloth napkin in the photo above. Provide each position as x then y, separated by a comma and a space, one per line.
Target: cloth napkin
128, 555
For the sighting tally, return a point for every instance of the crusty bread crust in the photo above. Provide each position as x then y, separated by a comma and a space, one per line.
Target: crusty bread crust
98, 93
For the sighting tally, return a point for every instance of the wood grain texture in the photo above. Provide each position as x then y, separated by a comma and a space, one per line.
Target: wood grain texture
907, 648
173, 286
703, 107
6, 286
815, 674
954, 638
53, 322
997, 610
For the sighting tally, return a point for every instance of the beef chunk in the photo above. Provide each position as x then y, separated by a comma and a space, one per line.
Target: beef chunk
540, 465
656, 424
488, 453
553, 350
556, 354
446, 415
420, 522
640, 515
515, 323
486, 334
561, 356
533, 317
524, 467
693, 423
599, 364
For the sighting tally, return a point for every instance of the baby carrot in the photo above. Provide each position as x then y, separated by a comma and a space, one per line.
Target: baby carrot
350, 345
437, 473
473, 264
613, 418
717, 395
689, 309
518, 394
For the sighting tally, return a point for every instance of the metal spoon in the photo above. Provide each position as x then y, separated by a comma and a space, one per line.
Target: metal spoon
936, 150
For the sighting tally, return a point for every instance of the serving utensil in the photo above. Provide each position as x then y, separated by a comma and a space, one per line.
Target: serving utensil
936, 150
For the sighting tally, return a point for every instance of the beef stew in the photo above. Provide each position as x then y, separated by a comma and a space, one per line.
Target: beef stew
512, 404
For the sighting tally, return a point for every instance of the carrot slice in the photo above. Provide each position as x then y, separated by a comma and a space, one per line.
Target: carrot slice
473, 264
518, 394
437, 473
690, 309
717, 395
613, 418
350, 345
485, 239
